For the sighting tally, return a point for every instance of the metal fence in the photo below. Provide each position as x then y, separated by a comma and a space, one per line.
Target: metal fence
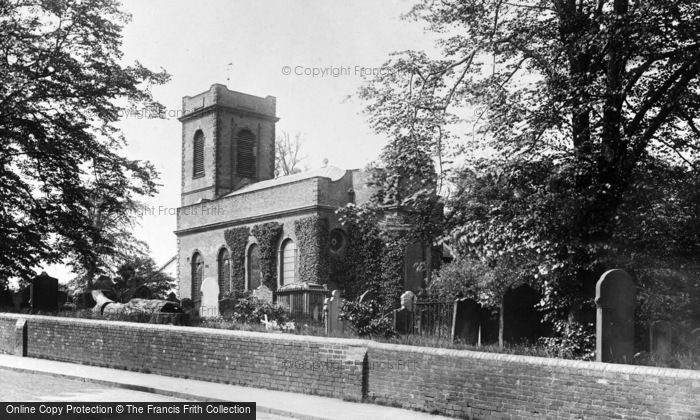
432, 317
304, 305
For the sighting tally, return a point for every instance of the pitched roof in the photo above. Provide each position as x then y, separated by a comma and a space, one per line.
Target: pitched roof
332, 172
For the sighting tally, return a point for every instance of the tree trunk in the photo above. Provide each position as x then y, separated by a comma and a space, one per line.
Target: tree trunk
500, 323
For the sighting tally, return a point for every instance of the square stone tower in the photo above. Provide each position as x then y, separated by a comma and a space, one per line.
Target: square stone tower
228, 142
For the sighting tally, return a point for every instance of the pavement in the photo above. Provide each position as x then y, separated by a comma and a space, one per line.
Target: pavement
278, 403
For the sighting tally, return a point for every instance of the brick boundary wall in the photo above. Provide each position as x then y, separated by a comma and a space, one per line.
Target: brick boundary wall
458, 383
471, 384
267, 360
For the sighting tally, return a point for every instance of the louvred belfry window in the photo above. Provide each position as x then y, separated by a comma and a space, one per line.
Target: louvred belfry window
198, 154
246, 154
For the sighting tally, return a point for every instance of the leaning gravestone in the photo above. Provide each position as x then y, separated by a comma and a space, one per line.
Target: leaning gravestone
466, 318
615, 317
263, 293
210, 298
660, 339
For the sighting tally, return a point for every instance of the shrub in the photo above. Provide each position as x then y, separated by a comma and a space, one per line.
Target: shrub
368, 319
572, 341
251, 310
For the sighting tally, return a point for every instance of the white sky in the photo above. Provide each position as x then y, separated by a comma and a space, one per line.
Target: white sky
196, 43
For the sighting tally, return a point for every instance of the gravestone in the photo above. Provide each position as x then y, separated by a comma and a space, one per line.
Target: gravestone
615, 302
404, 317
466, 319
522, 322
44, 292
263, 293
660, 339
331, 309
210, 298
408, 301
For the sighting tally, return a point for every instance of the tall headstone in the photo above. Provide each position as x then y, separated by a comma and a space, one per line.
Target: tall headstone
466, 319
404, 317
44, 292
331, 309
210, 298
614, 298
661, 339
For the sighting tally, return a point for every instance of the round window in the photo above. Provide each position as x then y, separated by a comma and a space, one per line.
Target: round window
338, 240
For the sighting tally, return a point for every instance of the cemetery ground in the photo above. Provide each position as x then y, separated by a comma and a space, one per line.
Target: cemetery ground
671, 350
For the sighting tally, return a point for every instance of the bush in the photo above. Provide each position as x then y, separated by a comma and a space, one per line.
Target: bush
367, 319
572, 341
459, 278
251, 310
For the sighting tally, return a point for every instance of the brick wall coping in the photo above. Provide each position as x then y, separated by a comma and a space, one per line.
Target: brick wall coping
271, 336
542, 361
591, 367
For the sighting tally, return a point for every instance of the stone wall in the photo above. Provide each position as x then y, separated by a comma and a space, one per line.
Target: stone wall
452, 382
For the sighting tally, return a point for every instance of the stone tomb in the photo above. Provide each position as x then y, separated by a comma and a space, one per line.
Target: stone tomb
210, 298
615, 302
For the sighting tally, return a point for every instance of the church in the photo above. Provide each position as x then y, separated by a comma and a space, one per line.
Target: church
239, 224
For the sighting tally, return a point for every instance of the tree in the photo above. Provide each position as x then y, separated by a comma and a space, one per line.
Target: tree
577, 106
63, 88
142, 271
287, 158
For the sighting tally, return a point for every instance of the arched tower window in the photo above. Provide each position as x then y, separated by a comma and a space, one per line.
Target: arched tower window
198, 154
197, 272
254, 273
288, 259
224, 272
247, 160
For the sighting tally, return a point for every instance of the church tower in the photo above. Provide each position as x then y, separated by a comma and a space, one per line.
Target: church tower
228, 141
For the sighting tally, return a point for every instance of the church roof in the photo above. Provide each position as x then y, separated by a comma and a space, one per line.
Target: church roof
332, 172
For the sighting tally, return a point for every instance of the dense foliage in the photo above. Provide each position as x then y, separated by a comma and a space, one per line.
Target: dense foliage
367, 319
268, 236
66, 190
236, 240
313, 244
574, 131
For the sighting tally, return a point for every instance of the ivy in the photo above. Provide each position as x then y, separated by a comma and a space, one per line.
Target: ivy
268, 235
236, 239
392, 267
374, 259
312, 243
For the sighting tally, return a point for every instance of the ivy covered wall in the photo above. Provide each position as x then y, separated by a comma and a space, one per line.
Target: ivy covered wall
268, 236
374, 259
312, 244
236, 239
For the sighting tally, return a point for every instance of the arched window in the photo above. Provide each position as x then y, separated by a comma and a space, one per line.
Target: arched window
198, 154
254, 273
288, 258
224, 272
246, 154
197, 272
